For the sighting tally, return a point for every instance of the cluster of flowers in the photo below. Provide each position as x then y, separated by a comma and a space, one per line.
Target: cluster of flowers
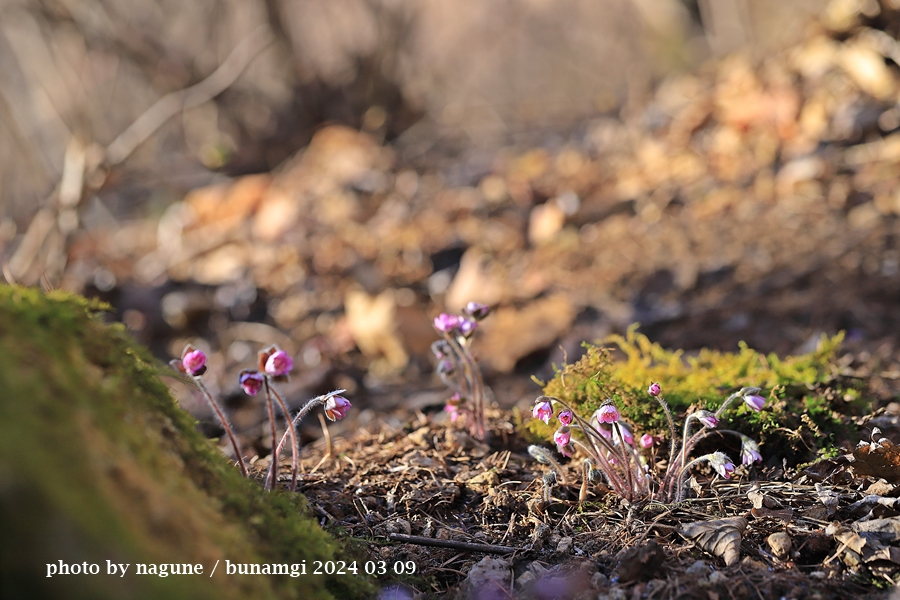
275, 365
457, 367
609, 445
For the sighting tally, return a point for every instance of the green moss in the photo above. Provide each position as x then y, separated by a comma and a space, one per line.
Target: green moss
808, 402
97, 463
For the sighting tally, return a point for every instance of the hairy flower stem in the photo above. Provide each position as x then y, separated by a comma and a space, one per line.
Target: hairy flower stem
225, 425
270, 408
291, 429
682, 475
474, 383
672, 443
310, 404
545, 458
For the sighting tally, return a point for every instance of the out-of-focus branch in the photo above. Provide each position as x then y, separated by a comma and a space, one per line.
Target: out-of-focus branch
173, 102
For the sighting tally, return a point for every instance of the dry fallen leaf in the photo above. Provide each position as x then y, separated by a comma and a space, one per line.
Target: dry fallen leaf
877, 459
721, 537
780, 543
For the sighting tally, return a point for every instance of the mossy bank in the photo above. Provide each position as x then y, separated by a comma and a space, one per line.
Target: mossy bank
98, 463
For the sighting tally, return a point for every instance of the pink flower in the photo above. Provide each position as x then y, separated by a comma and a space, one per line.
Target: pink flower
608, 413
279, 364
755, 401
721, 463
654, 389
542, 410
251, 381
749, 451
568, 450
562, 437
194, 361
565, 417
453, 411
336, 408
445, 323
647, 441
707, 418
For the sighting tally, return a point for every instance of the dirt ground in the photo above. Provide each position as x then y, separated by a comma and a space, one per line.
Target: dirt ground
755, 200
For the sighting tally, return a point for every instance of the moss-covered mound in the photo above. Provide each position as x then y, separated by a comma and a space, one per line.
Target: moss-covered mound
98, 464
809, 403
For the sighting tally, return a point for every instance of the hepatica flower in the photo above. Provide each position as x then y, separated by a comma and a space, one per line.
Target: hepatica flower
755, 401
562, 437
565, 417
445, 322
721, 463
193, 361
707, 418
477, 310
608, 413
251, 381
542, 410
654, 389
646, 441
279, 364
749, 451
467, 327
336, 407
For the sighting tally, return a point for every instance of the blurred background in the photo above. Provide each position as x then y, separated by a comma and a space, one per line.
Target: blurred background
329, 174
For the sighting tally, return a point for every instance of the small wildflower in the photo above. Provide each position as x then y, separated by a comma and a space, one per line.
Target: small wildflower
565, 417
193, 361
543, 410
654, 389
453, 411
336, 408
755, 401
477, 310
251, 381
647, 441
562, 437
445, 322
279, 364
707, 418
721, 463
467, 327
749, 451
608, 413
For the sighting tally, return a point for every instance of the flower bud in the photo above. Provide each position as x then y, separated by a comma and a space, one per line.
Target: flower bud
721, 463
336, 408
749, 451
542, 410
755, 401
707, 418
279, 364
562, 437
647, 441
565, 417
193, 361
654, 389
467, 327
477, 310
251, 381
607, 413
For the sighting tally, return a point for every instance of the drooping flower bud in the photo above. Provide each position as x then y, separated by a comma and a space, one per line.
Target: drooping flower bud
336, 408
654, 389
647, 441
721, 463
542, 410
565, 416
251, 381
707, 418
755, 401
563, 436
749, 451
607, 413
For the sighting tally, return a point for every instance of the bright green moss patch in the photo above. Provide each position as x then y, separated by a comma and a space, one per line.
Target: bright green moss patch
97, 463
807, 401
